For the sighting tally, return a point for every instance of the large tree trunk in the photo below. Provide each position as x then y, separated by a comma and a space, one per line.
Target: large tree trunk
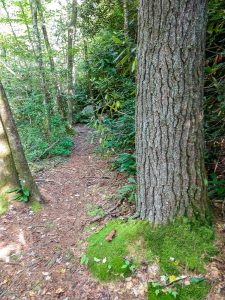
16, 149
70, 61
169, 113
39, 60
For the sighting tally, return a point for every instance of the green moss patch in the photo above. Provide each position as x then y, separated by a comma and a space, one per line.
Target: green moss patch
178, 247
191, 292
4, 205
36, 206
115, 252
181, 246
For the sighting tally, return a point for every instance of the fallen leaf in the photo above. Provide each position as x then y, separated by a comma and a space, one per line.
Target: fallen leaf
45, 273
196, 279
172, 278
175, 263
104, 260
31, 293
163, 278
5, 281
59, 291
111, 236
48, 278
63, 271
97, 259
129, 285
172, 259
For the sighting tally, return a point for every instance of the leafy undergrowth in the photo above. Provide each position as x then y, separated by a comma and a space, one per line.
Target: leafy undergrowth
4, 205
177, 248
38, 145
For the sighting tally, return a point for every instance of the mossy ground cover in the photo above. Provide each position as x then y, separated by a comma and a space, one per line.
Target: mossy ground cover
178, 248
4, 205
191, 292
36, 206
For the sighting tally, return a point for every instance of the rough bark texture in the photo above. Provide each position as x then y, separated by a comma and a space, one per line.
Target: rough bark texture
70, 61
8, 174
16, 149
169, 111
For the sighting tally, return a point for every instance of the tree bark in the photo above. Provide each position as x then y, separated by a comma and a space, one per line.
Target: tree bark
39, 60
169, 112
8, 174
88, 70
70, 61
16, 149
126, 18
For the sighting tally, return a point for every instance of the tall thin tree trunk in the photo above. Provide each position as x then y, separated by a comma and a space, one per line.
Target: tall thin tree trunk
88, 70
27, 26
8, 174
126, 18
39, 59
169, 115
70, 61
16, 148
58, 100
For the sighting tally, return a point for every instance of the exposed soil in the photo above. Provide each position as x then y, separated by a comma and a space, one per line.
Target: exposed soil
40, 252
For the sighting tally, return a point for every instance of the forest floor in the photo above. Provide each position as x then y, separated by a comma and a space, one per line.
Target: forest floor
40, 251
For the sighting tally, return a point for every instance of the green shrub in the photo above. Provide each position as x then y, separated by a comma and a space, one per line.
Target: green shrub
36, 143
125, 162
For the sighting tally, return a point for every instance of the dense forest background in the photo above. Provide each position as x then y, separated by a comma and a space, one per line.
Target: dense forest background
65, 62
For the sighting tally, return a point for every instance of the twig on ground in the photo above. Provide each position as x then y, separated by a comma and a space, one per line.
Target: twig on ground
11, 263
107, 213
175, 281
44, 180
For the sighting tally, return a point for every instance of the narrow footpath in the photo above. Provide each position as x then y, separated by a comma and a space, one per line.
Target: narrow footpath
40, 251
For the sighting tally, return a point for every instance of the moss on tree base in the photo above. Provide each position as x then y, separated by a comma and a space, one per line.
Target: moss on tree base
4, 205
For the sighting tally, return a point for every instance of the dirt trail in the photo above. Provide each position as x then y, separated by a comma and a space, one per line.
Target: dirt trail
47, 245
